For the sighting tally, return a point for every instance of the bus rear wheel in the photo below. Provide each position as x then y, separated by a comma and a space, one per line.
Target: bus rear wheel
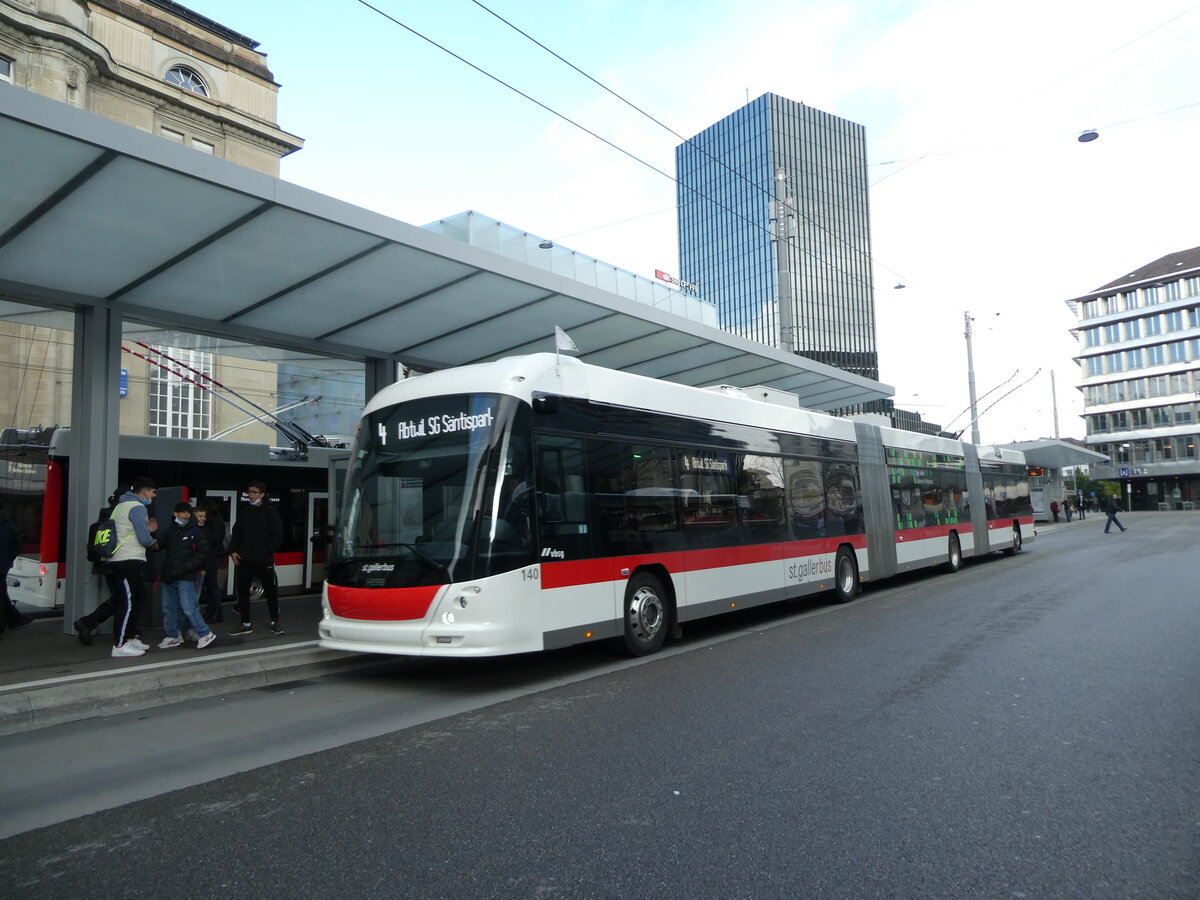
845, 576
1015, 548
647, 612
954, 555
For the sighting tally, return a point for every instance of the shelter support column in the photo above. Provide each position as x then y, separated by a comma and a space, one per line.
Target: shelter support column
94, 448
379, 373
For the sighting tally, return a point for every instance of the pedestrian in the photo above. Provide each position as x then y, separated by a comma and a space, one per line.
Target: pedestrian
135, 533
216, 532
1066, 505
10, 549
1111, 508
1054, 509
257, 533
185, 550
1080, 509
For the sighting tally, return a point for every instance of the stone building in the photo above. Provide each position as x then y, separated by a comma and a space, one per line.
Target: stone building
157, 66
151, 64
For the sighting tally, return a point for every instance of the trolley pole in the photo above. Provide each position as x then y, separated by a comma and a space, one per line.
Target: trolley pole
971, 381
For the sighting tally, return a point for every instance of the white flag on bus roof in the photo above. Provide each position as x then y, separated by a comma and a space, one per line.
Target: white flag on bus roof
562, 341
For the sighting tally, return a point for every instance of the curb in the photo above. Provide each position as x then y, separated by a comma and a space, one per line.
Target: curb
55, 701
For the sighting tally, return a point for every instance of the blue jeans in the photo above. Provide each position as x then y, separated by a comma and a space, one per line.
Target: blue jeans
181, 597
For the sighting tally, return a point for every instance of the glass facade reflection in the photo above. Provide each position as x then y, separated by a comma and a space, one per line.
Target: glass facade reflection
736, 213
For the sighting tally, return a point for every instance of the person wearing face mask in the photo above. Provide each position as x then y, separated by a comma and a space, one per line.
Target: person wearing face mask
257, 534
135, 532
185, 550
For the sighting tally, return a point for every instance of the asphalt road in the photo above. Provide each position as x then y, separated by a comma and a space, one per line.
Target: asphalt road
1028, 727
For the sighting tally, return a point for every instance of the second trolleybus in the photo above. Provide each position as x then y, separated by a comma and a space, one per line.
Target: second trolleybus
537, 502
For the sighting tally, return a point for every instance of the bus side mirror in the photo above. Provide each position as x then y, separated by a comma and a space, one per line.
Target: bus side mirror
545, 404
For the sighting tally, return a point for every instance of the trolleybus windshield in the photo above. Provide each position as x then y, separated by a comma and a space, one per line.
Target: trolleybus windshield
438, 490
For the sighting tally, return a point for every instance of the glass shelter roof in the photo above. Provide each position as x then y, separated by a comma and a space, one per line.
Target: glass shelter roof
97, 213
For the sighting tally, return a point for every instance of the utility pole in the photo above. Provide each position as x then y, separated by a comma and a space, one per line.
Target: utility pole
971, 380
1054, 402
783, 263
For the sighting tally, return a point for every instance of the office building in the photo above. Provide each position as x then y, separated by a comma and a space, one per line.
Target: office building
774, 230
1139, 355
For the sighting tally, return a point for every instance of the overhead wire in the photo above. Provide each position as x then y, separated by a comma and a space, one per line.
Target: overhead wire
604, 140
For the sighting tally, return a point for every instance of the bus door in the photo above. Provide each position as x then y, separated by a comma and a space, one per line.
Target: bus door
318, 542
226, 502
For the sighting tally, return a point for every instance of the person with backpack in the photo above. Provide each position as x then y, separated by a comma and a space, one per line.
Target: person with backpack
134, 533
208, 518
185, 550
257, 534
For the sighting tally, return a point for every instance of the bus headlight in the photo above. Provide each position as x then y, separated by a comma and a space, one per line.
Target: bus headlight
448, 617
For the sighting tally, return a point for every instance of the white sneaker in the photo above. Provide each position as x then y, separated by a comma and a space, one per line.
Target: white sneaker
138, 643
168, 642
191, 635
127, 649
206, 640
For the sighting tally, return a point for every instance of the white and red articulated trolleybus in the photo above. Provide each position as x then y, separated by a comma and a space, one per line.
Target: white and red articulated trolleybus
537, 502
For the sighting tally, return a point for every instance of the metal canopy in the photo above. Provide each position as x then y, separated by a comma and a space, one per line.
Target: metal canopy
97, 213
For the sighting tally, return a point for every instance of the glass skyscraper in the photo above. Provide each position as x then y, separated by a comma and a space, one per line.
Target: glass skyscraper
774, 230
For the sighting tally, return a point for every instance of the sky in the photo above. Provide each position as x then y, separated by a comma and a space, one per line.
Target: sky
982, 199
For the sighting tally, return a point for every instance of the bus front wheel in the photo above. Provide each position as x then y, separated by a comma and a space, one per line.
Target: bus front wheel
647, 612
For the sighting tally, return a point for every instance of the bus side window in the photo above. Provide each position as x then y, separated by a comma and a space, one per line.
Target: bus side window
607, 489
564, 523
652, 498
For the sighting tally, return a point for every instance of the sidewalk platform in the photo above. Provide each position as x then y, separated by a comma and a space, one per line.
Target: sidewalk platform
48, 677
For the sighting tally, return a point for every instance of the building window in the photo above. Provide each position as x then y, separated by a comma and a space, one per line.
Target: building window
1091, 309
1137, 389
1193, 286
1177, 352
1171, 289
1095, 395
1194, 317
1185, 447
1179, 383
172, 135
1154, 355
1132, 329
1138, 418
1092, 337
1114, 362
1095, 365
1175, 320
1151, 295
6, 69
183, 77
1153, 326
1099, 424
1183, 414
178, 406
1161, 416
1119, 421
1112, 334
203, 146
1116, 392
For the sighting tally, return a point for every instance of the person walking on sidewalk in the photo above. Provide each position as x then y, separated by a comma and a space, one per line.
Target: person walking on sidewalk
135, 532
1111, 509
257, 534
185, 550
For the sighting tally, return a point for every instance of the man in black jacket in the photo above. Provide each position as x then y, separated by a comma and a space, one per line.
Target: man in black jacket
257, 534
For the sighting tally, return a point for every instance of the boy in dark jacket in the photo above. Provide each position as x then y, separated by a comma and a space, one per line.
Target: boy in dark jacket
186, 554
257, 534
